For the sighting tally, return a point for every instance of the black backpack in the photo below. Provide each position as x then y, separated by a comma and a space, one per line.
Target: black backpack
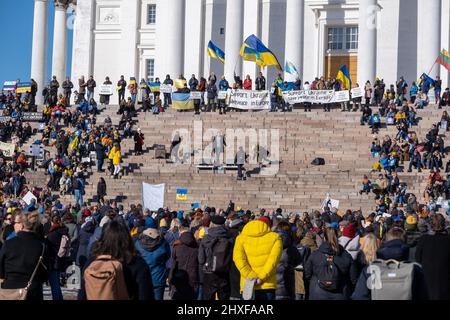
218, 256
329, 276
318, 162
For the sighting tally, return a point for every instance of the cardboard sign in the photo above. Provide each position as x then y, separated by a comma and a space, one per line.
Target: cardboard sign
28, 197
23, 87
357, 92
106, 90
7, 149
196, 95
32, 116
222, 95
166, 88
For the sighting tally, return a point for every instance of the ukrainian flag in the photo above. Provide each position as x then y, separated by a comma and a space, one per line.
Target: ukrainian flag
182, 194
23, 87
344, 76
182, 101
259, 53
215, 52
154, 86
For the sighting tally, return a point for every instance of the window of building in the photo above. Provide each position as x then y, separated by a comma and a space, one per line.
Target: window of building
222, 31
343, 38
150, 69
151, 14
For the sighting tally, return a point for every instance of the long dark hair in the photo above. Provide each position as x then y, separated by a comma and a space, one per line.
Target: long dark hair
115, 241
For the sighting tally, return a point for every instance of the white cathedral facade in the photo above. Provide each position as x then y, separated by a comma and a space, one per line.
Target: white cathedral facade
152, 38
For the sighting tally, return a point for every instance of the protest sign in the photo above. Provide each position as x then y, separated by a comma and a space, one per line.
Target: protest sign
222, 95
249, 100
196, 95
28, 197
357, 92
166, 88
23, 87
312, 96
153, 196
9, 86
340, 96
7, 149
106, 90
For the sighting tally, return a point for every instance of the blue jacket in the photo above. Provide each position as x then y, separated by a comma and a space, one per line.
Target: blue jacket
155, 252
223, 85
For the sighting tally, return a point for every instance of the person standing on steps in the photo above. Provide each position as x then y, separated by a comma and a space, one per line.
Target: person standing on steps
67, 86
121, 86
168, 96
101, 190
81, 90
104, 98
91, 84
117, 159
138, 141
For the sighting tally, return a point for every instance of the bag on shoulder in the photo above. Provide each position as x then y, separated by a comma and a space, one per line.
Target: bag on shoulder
104, 280
391, 279
64, 247
219, 256
329, 276
21, 294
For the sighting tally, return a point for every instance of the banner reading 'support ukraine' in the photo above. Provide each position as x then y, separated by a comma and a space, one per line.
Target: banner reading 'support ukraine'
249, 100
315, 96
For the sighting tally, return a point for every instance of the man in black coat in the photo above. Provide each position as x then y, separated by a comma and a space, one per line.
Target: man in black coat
100, 154
215, 282
433, 252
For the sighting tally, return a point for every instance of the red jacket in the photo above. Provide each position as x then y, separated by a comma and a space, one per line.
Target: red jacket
247, 84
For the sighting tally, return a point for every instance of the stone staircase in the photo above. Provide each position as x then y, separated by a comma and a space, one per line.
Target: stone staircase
297, 186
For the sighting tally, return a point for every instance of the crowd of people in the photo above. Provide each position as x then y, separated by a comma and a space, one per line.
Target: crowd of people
208, 253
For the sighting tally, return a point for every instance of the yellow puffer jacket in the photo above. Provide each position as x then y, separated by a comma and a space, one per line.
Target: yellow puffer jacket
256, 254
111, 154
117, 158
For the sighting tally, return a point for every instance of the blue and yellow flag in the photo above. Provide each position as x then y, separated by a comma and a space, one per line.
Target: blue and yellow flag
154, 86
426, 78
254, 50
23, 87
290, 68
215, 52
182, 194
182, 101
344, 76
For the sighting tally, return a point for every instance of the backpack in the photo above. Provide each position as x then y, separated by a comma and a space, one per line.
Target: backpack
391, 280
218, 256
104, 280
155, 110
318, 162
329, 275
64, 247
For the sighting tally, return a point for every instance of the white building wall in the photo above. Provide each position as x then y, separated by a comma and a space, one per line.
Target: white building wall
310, 39
194, 50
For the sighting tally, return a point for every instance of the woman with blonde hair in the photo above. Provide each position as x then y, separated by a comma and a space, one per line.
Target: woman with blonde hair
367, 253
22, 255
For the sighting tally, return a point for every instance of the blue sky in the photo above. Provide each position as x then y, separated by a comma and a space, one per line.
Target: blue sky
16, 24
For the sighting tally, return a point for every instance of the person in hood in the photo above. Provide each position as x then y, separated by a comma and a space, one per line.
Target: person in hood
433, 253
290, 258
350, 240
256, 254
86, 231
394, 247
329, 253
155, 250
183, 275
235, 225
57, 264
215, 282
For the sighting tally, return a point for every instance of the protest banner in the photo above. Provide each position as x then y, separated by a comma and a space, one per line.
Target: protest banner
166, 88
196, 95
5, 119
222, 95
153, 196
23, 87
32, 116
9, 86
7, 149
249, 100
28, 197
312, 96
106, 90
357, 92
341, 96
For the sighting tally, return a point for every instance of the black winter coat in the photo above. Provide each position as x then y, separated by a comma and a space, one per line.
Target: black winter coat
316, 261
184, 272
433, 252
53, 242
290, 258
235, 276
394, 249
83, 241
101, 189
18, 259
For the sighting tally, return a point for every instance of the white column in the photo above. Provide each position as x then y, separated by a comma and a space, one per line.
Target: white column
251, 26
195, 51
233, 38
60, 42
39, 50
82, 50
294, 35
367, 41
128, 50
445, 39
174, 33
429, 42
